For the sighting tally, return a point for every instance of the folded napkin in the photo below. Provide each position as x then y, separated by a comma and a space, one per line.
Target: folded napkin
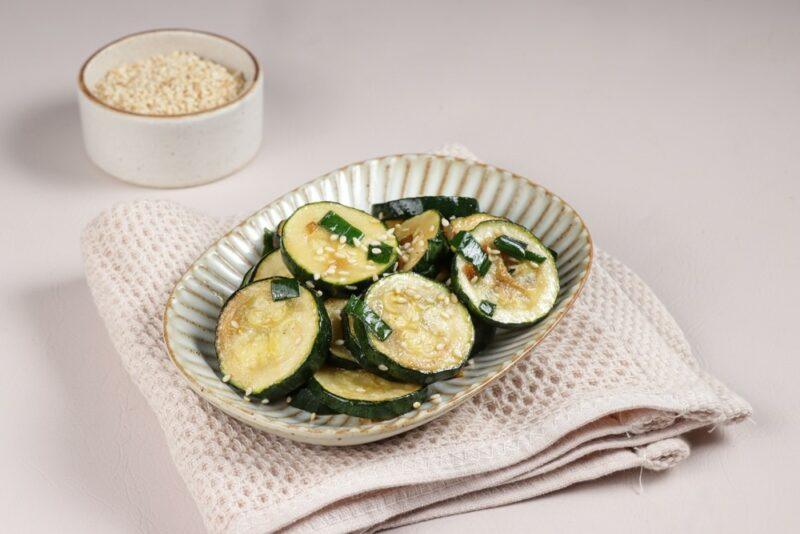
613, 387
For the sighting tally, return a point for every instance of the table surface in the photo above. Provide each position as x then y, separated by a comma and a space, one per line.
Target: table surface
672, 127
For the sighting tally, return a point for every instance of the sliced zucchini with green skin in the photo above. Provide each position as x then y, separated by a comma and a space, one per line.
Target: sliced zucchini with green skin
271, 265
339, 355
248, 276
422, 243
335, 266
468, 223
304, 399
362, 394
465, 245
521, 291
276, 236
266, 348
432, 333
484, 334
403, 208
268, 242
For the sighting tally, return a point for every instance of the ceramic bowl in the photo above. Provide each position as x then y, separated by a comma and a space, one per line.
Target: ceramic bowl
191, 315
172, 150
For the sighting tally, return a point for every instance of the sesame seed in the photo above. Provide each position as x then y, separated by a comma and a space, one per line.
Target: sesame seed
382, 367
453, 298
248, 391
431, 229
445, 223
334, 237
339, 342
390, 231
264, 401
340, 255
374, 277
226, 378
342, 239
375, 250
316, 276
288, 399
440, 346
452, 217
320, 250
176, 83
351, 288
235, 324
312, 416
356, 241
309, 284
380, 215
329, 249
319, 293
473, 279
417, 405
246, 398
493, 251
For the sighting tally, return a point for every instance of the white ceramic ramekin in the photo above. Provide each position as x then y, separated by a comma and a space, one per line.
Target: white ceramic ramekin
172, 150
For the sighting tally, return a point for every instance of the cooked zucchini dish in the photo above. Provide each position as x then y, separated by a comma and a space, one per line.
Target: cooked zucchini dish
354, 313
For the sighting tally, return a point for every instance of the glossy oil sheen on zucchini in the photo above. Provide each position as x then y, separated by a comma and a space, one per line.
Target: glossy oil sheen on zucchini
340, 355
512, 293
467, 223
336, 264
403, 208
363, 394
432, 333
267, 348
422, 243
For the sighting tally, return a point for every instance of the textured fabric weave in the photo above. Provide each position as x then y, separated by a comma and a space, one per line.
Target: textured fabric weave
614, 386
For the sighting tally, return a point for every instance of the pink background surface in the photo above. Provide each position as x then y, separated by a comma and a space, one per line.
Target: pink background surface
672, 127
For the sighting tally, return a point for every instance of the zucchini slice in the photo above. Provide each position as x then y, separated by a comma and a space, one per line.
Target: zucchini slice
431, 332
422, 243
339, 355
269, 242
403, 208
338, 264
267, 348
271, 265
304, 399
363, 394
513, 292
484, 334
469, 222
248, 276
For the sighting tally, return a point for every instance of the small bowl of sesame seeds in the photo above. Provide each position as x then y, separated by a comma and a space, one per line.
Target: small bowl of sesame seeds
171, 108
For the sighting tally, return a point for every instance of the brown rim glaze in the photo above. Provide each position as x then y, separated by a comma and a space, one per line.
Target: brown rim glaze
85, 90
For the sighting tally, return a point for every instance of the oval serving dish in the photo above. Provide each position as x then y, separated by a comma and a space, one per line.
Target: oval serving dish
191, 315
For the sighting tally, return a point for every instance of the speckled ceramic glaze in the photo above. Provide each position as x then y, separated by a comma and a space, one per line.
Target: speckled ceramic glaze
172, 150
191, 316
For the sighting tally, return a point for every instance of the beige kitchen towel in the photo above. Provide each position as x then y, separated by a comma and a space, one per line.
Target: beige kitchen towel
613, 387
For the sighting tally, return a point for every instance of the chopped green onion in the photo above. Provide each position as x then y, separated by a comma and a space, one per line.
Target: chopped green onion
517, 249
380, 253
487, 307
466, 245
335, 224
359, 309
284, 289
